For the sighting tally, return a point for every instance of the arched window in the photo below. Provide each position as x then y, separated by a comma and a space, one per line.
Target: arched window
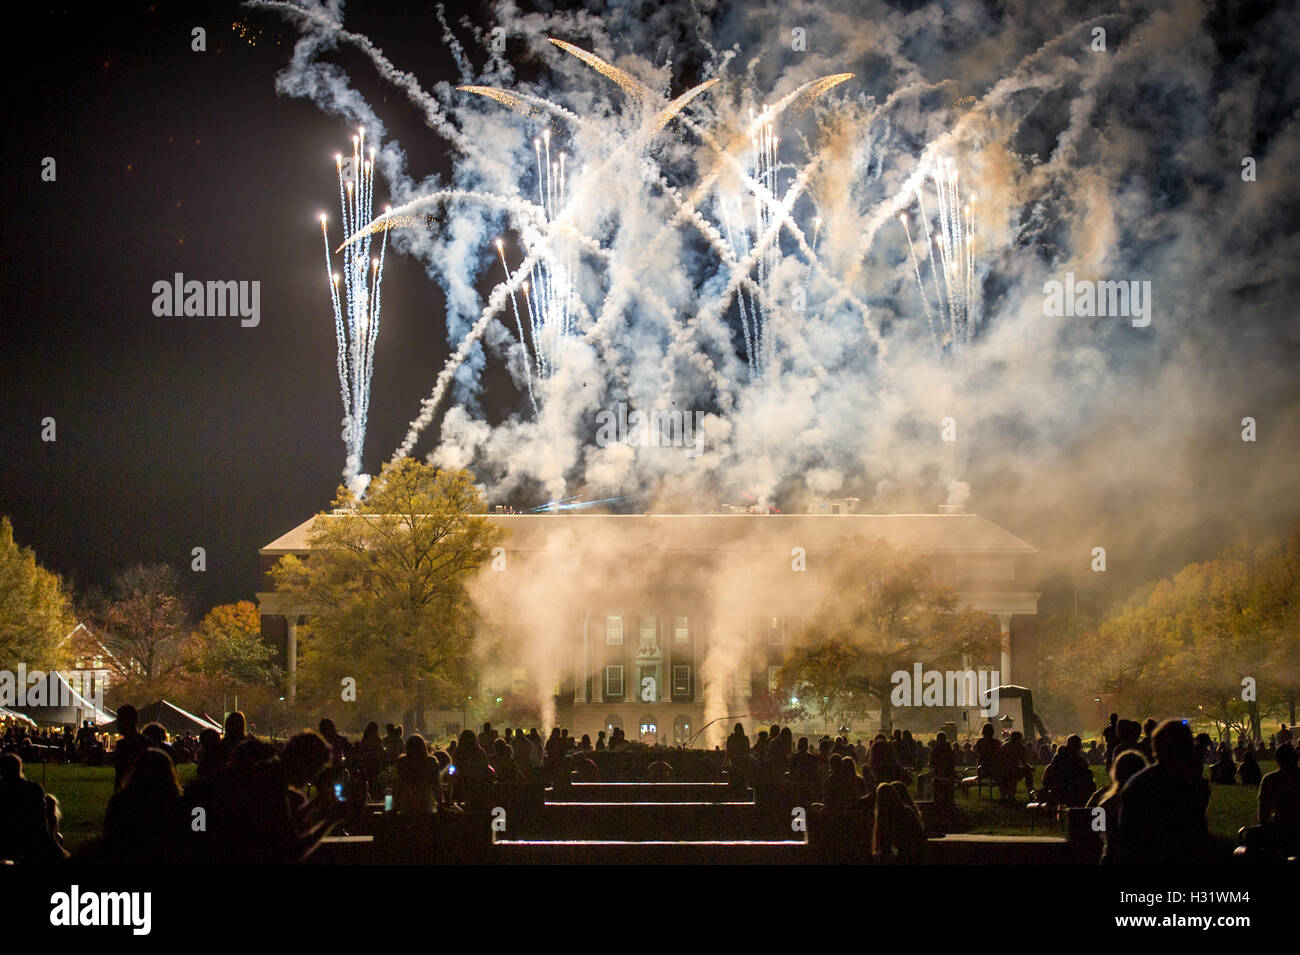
613, 722
649, 729
682, 729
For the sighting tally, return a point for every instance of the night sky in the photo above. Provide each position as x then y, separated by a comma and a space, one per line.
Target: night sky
174, 433
183, 432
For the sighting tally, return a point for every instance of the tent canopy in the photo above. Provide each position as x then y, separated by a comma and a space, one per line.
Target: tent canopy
66, 708
173, 719
20, 717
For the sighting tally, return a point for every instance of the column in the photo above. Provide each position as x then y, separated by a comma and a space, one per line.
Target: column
291, 657
1004, 622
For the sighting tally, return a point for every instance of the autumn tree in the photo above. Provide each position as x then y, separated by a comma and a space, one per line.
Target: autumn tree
226, 659
1214, 642
145, 620
385, 587
35, 608
883, 612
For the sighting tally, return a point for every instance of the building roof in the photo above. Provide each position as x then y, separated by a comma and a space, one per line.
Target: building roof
927, 533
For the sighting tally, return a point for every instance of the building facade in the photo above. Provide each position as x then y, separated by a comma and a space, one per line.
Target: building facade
665, 624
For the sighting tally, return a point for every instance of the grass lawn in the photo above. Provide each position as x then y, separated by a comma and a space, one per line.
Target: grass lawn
1231, 807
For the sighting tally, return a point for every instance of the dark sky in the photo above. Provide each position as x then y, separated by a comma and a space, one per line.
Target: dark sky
174, 433
183, 432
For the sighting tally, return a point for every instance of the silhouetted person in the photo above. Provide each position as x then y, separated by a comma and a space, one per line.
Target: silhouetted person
305, 756
417, 775
473, 773
127, 749
1126, 765
844, 789
394, 743
803, 765
1011, 765
236, 731
1279, 805
1249, 771
986, 752
1162, 808
884, 764
156, 734
1145, 743
1111, 735
1077, 782
24, 828
898, 834
211, 754
340, 748
1224, 771
143, 823
502, 762
370, 753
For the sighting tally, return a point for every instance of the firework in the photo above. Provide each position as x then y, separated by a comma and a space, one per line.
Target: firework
357, 304
950, 253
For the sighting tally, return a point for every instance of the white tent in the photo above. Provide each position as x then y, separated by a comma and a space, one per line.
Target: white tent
62, 706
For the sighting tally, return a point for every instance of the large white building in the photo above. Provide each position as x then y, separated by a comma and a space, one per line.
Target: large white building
661, 623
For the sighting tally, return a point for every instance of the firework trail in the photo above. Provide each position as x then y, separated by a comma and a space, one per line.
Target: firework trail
357, 307
950, 246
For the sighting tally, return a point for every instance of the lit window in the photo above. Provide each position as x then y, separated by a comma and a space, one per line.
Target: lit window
519, 678
648, 632
773, 679
775, 631
680, 631
614, 631
613, 681
681, 680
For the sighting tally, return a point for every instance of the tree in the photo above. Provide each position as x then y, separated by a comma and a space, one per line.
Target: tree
883, 613
1213, 642
225, 658
385, 586
146, 621
35, 608
777, 707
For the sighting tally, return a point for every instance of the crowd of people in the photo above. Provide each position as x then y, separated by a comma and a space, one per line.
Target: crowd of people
254, 801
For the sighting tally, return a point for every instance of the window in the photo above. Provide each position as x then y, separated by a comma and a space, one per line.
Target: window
775, 631
682, 729
451, 730
649, 730
614, 631
648, 632
614, 681
681, 680
681, 633
773, 679
613, 722
518, 678
744, 683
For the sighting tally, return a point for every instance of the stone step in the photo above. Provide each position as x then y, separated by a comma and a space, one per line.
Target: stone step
650, 821
649, 792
